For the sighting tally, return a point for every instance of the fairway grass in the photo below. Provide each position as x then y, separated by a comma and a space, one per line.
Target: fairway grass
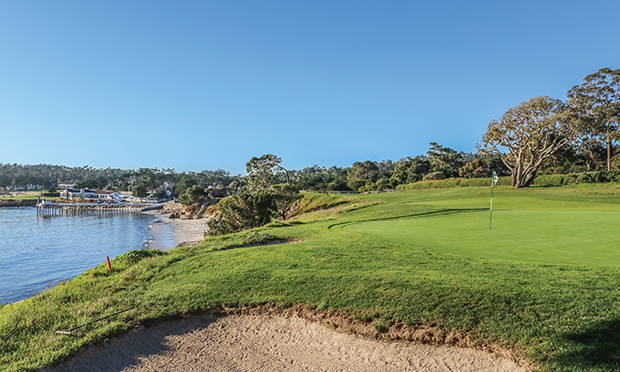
544, 283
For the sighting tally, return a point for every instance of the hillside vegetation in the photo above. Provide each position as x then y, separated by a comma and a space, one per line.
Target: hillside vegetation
549, 295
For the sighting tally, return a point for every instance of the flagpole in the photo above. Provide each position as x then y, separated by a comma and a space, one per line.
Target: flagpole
494, 179
491, 209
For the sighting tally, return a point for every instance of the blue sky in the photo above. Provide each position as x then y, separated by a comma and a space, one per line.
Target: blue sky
196, 85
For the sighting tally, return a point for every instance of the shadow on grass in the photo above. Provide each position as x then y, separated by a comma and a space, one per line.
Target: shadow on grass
596, 347
422, 214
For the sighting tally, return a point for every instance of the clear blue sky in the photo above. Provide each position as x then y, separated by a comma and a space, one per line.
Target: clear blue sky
196, 85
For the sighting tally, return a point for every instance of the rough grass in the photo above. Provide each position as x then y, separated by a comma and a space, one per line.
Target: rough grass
561, 317
311, 202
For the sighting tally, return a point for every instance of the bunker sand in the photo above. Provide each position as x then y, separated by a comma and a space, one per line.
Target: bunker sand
271, 343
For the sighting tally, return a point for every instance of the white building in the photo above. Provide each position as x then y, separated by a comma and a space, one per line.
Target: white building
92, 195
67, 184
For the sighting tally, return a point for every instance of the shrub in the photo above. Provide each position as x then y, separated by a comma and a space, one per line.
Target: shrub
541, 180
600, 177
570, 179
612, 176
452, 182
549, 180
585, 178
252, 209
415, 186
504, 181
475, 182
449, 183
139, 254
440, 184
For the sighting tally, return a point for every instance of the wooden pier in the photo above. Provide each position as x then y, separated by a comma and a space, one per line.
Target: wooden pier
48, 208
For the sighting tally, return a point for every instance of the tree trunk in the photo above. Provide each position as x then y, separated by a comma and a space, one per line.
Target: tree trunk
513, 179
528, 179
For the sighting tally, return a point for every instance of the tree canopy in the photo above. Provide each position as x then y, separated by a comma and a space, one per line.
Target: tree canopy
526, 135
444, 160
595, 107
262, 171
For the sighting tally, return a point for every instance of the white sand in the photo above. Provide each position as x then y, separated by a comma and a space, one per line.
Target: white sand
173, 232
271, 343
188, 232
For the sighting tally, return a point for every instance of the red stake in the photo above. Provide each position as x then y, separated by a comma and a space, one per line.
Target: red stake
109, 265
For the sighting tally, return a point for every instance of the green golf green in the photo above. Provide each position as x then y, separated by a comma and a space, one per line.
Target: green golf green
556, 237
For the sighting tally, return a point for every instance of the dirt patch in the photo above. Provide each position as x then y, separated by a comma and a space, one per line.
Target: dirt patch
276, 339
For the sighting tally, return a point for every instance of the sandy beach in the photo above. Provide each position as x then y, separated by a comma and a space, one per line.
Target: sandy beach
173, 232
188, 232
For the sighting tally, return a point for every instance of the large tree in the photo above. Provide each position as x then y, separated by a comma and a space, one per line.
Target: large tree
366, 170
526, 135
409, 170
595, 105
262, 171
444, 160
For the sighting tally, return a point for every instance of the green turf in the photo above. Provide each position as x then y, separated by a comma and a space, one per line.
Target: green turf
579, 237
413, 257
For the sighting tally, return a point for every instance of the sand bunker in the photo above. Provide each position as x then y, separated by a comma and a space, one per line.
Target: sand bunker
264, 343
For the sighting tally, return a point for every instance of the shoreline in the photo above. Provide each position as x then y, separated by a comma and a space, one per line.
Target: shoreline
167, 233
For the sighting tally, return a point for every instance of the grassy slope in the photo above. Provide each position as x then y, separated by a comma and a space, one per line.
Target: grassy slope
567, 317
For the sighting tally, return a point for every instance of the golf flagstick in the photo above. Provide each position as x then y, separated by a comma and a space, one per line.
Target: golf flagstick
494, 179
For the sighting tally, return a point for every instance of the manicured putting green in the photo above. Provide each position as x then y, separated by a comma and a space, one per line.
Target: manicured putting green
559, 237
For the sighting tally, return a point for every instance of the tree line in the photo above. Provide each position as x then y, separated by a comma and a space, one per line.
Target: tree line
48, 175
438, 163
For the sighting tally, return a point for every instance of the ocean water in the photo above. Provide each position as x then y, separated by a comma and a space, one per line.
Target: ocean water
37, 252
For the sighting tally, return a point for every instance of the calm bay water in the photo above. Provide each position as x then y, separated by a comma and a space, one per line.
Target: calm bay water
37, 252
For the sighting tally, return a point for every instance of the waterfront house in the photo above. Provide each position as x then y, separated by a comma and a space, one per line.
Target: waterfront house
89, 194
78, 193
151, 198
